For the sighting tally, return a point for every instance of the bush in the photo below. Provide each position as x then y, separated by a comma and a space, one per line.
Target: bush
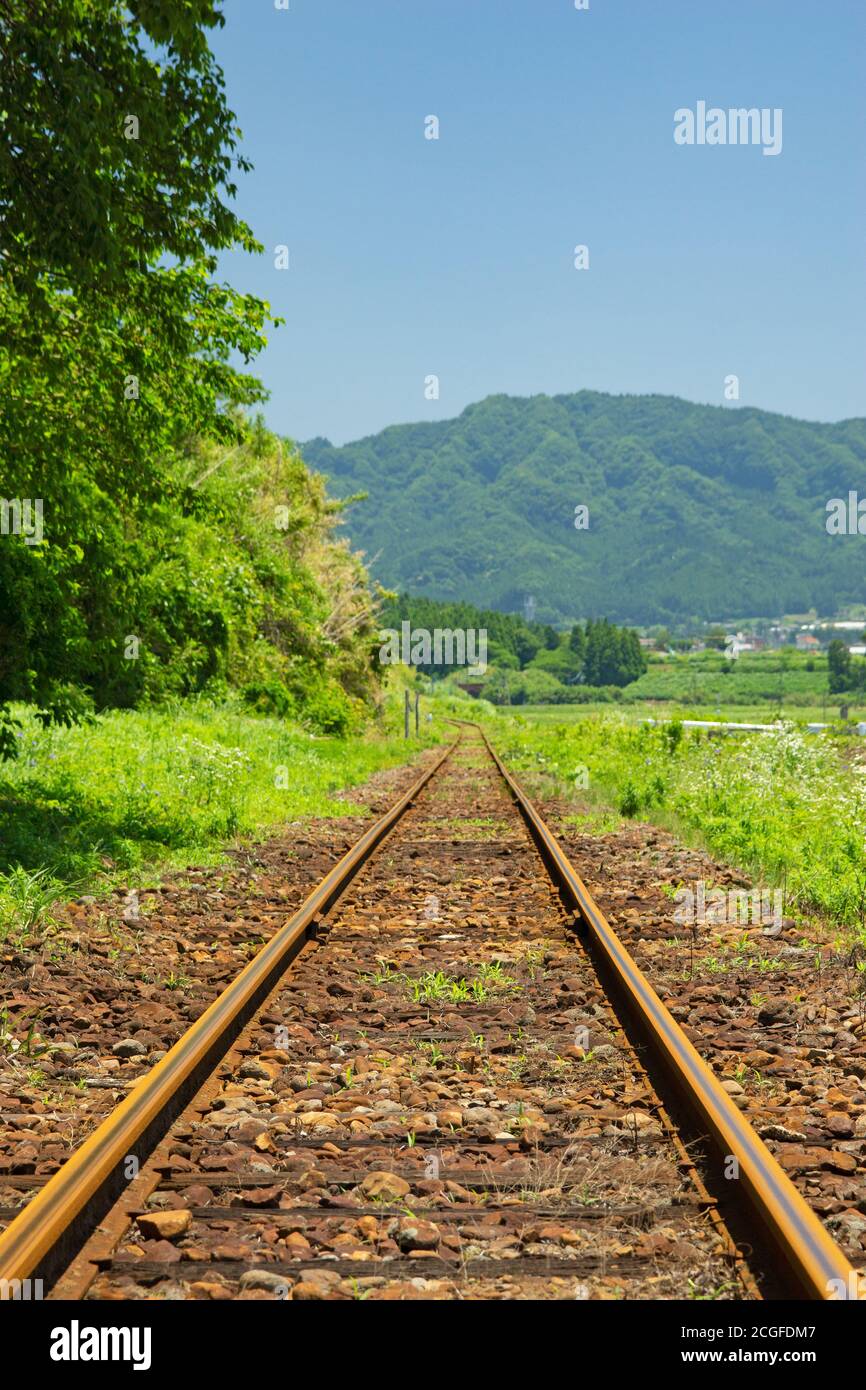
213, 595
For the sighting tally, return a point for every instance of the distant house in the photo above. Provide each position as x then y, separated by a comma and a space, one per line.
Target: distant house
648, 643
735, 643
807, 643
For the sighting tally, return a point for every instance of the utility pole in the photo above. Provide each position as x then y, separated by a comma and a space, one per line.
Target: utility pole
405, 713
417, 710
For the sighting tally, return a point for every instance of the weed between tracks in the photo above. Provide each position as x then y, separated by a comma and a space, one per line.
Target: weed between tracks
437, 986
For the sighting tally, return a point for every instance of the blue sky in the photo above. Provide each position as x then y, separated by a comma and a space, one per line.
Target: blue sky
411, 257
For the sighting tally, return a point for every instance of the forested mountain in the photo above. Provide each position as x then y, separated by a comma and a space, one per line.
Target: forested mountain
693, 510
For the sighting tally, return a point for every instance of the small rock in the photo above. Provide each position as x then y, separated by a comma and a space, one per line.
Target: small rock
162, 1251
250, 1070
164, 1225
316, 1284
782, 1134
323, 1121
249, 1128
204, 1288
803, 1160
235, 1103
450, 1115
531, 1136
312, 1177
841, 1125
483, 1115
639, 1119
387, 1185
128, 1047
778, 1011
417, 1235
851, 1223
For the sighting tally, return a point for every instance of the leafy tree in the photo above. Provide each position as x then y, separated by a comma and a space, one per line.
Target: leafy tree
577, 641
614, 655
599, 655
527, 645
512, 642
839, 667
116, 344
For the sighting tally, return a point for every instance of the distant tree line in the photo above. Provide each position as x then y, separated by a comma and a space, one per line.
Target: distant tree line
597, 653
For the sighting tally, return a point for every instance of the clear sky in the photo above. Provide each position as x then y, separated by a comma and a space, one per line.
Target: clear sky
411, 257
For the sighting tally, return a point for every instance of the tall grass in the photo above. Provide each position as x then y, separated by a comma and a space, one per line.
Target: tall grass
789, 808
139, 790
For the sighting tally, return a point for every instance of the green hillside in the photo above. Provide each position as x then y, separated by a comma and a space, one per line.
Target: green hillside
694, 511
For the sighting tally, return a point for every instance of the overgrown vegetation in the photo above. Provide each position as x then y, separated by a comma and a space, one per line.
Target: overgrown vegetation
529, 661
137, 790
155, 544
185, 643
786, 807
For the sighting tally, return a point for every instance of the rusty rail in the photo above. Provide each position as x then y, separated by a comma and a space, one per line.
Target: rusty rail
43, 1239
812, 1264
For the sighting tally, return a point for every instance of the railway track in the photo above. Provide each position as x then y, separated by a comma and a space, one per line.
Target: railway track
442, 1078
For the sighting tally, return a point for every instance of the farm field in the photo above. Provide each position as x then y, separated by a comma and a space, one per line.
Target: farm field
634, 713
753, 678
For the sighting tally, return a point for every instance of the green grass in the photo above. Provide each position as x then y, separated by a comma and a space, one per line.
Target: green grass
788, 808
140, 791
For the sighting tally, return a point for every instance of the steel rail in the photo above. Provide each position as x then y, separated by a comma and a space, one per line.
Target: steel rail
811, 1261
41, 1239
